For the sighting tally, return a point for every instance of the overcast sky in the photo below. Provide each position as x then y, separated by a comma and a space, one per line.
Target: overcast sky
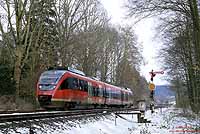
145, 30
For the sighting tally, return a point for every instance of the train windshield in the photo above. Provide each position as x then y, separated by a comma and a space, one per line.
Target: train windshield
49, 79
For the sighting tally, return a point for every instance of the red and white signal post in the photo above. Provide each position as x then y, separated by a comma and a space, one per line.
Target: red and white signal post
152, 87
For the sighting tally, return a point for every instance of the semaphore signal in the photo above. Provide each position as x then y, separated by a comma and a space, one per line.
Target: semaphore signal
152, 86
153, 74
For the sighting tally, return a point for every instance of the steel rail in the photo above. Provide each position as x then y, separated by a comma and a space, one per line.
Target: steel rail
30, 115
53, 114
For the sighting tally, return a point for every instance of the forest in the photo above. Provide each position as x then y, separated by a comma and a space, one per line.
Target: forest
38, 34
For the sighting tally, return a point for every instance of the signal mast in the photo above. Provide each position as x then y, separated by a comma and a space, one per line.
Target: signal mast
152, 87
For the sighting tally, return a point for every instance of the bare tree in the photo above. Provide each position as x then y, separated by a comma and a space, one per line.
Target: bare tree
180, 29
18, 16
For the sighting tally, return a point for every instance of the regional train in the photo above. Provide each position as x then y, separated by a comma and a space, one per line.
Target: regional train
68, 88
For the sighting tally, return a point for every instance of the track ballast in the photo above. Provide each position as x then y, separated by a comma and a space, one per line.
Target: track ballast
52, 114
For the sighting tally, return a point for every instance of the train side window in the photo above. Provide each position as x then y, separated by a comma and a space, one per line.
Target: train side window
111, 94
97, 91
75, 84
128, 96
104, 92
94, 91
81, 83
108, 93
125, 96
86, 86
64, 84
101, 92
119, 95
114, 94
90, 89
122, 96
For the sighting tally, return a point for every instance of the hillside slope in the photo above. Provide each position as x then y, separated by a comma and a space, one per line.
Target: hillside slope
164, 94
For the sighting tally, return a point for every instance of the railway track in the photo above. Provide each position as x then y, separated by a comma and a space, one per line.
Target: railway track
9, 116
20, 116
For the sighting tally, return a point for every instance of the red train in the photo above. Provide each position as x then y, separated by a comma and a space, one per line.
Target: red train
67, 88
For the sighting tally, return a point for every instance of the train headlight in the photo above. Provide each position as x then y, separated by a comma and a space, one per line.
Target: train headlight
40, 86
46, 87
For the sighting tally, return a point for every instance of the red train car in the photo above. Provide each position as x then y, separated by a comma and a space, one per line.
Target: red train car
67, 88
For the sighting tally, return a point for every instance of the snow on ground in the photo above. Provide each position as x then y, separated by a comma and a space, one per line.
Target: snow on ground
163, 121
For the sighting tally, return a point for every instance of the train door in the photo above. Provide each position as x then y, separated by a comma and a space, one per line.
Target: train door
95, 93
90, 93
100, 95
122, 97
104, 94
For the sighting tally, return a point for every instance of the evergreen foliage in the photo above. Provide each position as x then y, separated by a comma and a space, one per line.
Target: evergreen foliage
7, 84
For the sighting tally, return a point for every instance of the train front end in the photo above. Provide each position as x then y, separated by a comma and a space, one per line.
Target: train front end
47, 86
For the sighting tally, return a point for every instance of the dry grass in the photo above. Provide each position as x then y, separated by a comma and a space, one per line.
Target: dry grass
8, 102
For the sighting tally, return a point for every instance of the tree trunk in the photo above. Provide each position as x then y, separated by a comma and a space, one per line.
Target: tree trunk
18, 70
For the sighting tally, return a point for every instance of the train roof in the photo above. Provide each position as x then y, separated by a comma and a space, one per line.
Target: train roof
82, 74
68, 69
